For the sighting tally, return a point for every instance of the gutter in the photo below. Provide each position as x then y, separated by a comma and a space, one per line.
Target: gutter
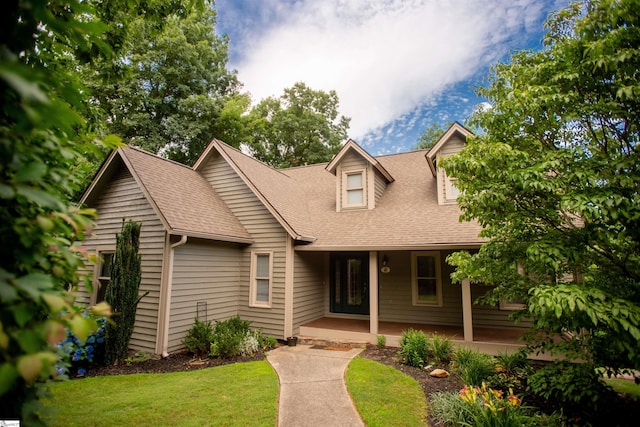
165, 340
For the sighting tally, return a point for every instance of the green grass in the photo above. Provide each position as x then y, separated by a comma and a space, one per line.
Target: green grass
627, 387
243, 394
385, 396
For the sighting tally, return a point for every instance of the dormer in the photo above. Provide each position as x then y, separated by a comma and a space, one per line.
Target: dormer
360, 178
453, 140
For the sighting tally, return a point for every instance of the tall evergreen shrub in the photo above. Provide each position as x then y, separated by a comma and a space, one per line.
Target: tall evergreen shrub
122, 293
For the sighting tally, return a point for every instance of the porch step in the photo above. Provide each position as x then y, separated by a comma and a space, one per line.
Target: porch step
330, 342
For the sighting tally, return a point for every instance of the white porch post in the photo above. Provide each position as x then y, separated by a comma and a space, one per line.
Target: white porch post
467, 318
373, 292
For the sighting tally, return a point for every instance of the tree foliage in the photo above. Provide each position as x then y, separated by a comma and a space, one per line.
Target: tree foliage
42, 131
300, 127
430, 136
553, 179
122, 292
167, 86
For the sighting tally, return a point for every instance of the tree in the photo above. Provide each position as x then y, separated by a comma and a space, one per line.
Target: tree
122, 292
42, 131
553, 179
299, 128
168, 85
430, 136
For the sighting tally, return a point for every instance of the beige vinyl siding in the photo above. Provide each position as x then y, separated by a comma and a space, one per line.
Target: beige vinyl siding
380, 185
491, 316
122, 198
268, 235
308, 289
206, 272
454, 145
395, 294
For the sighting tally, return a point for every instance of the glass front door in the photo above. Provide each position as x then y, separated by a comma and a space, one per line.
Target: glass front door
350, 282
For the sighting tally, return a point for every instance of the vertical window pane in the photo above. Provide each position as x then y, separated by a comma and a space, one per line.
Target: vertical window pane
426, 266
105, 266
262, 290
354, 181
337, 281
262, 266
354, 197
427, 290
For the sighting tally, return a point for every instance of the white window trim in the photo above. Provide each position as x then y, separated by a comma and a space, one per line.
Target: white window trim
345, 190
414, 279
253, 285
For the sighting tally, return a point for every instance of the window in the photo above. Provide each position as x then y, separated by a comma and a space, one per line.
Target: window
514, 304
261, 269
425, 278
354, 188
451, 191
104, 274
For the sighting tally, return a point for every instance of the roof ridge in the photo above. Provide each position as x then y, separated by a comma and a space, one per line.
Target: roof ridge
155, 156
260, 162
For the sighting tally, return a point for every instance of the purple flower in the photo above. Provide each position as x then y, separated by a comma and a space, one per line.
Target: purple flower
91, 340
100, 340
82, 371
89, 349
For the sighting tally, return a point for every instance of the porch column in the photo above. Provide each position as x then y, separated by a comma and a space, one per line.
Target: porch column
373, 292
467, 318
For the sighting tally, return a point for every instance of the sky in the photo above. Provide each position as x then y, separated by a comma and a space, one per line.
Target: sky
397, 66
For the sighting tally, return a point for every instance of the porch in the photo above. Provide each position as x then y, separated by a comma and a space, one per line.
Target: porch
486, 340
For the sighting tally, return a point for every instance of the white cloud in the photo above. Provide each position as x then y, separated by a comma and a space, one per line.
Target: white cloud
383, 58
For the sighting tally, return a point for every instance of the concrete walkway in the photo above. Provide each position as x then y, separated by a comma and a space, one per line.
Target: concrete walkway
312, 388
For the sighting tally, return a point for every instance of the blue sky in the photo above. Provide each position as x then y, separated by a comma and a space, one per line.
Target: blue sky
397, 65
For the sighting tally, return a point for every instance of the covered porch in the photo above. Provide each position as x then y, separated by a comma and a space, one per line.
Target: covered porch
487, 340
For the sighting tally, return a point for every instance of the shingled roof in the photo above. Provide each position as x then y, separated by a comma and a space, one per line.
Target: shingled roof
406, 216
182, 198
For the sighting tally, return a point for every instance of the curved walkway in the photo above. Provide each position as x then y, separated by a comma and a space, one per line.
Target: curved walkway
312, 388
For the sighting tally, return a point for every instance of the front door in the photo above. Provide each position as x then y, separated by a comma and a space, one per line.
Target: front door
350, 282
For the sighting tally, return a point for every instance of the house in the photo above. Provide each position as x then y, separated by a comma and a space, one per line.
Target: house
347, 250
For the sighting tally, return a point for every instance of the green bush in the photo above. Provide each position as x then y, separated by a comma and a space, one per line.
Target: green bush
570, 384
441, 348
414, 348
472, 366
382, 341
234, 337
199, 337
268, 342
512, 371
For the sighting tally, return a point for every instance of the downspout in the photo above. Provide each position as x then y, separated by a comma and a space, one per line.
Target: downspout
165, 340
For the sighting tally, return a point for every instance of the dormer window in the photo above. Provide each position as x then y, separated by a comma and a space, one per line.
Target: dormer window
451, 192
354, 189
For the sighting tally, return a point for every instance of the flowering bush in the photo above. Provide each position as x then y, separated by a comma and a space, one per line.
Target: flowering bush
75, 355
486, 407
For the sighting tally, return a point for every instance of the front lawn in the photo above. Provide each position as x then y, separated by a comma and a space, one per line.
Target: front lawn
243, 394
385, 396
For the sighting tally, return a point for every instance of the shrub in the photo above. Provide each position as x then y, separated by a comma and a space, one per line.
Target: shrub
382, 341
441, 348
414, 348
233, 337
447, 409
512, 371
199, 337
76, 355
472, 366
569, 383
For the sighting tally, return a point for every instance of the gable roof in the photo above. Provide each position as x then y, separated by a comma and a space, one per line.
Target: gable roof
433, 152
281, 195
183, 200
351, 145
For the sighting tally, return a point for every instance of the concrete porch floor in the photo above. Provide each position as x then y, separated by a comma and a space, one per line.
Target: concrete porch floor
489, 340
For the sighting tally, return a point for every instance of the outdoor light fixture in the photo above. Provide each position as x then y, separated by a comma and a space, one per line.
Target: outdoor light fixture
385, 267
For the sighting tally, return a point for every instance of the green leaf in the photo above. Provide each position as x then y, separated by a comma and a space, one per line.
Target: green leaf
34, 284
8, 375
7, 192
26, 89
40, 197
32, 172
